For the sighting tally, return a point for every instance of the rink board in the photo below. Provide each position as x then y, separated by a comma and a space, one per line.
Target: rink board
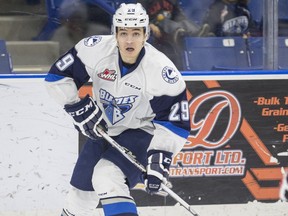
237, 148
237, 145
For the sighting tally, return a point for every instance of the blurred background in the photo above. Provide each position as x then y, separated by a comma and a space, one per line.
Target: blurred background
198, 35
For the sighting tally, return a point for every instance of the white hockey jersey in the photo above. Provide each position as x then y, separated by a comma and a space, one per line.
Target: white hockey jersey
150, 95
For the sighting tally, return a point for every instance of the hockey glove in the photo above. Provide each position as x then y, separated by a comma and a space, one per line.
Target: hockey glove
157, 170
87, 117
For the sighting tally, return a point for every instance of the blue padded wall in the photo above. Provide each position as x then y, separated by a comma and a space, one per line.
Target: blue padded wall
213, 52
234, 53
5, 62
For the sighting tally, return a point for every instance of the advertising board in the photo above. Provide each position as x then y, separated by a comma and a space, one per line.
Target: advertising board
238, 145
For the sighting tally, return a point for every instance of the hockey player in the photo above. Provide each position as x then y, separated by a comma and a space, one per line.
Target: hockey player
139, 99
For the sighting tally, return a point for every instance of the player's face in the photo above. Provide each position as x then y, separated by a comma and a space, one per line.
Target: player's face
130, 42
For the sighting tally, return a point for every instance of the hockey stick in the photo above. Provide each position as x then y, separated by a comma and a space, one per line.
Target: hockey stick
128, 155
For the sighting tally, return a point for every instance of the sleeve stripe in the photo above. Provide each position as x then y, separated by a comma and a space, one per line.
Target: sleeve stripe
177, 130
53, 77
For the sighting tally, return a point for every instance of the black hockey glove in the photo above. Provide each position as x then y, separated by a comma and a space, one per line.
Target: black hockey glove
87, 117
157, 170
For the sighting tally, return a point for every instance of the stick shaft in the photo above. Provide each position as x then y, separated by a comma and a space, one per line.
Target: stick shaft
127, 154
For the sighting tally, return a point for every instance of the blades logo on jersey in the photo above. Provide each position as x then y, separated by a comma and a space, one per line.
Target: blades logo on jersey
116, 107
107, 74
170, 75
91, 41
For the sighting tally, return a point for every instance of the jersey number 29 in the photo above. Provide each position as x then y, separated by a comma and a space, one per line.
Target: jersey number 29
179, 111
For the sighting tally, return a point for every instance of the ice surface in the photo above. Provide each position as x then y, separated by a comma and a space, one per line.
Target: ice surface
38, 148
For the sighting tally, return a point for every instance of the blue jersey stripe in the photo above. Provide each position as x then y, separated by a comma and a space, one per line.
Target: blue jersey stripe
53, 77
177, 130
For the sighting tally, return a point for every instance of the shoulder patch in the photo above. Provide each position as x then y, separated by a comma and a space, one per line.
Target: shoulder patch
169, 75
91, 41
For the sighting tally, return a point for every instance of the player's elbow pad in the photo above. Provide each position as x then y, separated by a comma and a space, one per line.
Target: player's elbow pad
63, 91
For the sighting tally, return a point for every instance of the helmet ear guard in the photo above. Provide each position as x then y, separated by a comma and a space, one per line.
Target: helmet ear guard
131, 15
